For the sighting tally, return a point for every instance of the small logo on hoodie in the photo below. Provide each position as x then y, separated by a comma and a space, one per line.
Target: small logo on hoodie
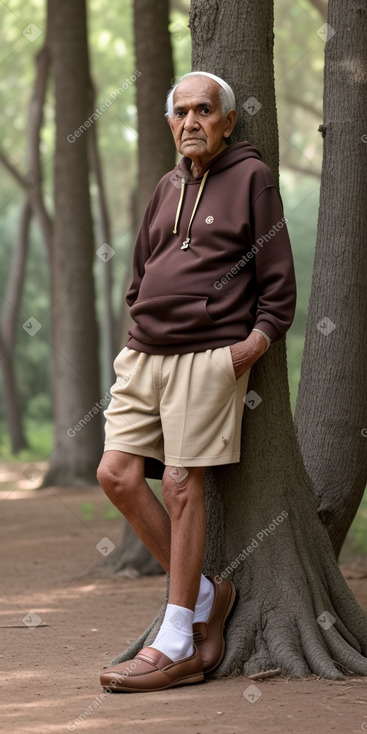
209, 220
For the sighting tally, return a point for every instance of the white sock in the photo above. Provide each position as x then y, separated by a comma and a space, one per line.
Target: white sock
204, 602
174, 638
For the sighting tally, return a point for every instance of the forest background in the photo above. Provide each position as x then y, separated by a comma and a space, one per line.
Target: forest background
299, 61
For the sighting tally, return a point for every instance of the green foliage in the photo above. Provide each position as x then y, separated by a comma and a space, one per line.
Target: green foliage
39, 437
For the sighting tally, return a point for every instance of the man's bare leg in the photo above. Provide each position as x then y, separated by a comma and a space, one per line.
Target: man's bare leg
121, 475
183, 494
177, 540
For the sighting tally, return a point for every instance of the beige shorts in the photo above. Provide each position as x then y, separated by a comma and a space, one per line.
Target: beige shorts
183, 409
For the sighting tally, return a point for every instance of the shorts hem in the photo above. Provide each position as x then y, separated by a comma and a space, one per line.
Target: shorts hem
202, 460
137, 450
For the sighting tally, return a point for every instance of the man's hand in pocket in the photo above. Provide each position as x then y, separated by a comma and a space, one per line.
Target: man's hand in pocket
245, 354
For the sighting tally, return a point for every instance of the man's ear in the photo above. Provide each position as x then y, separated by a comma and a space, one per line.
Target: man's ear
231, 118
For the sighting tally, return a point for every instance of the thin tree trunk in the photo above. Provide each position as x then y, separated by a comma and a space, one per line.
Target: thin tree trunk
10, 397
32, 184
77, 404
31, 181
156, 152
331, 412
33, 176
108, 331
8, 330
156, 156
131, 558
294, 610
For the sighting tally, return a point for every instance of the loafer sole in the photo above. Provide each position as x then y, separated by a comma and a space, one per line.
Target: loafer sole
150, 671
187, 680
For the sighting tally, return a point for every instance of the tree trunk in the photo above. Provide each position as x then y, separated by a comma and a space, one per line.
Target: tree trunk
245, 63
77, 403
131, 558
34, 174
294, 610
156, 156
108, 331
331, 413
11, 404
156, 152
32, 184
8, 327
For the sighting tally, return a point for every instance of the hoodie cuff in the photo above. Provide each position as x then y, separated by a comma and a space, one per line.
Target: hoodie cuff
266, 337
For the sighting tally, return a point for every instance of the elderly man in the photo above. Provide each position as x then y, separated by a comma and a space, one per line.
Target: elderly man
213, 286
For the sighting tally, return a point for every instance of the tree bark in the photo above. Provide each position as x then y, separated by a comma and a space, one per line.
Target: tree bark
131, 558
77, 403
255, 87
108, 335
294, 610
156, 151
331, 411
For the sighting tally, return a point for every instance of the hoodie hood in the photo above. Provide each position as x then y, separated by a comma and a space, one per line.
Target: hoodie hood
229, 157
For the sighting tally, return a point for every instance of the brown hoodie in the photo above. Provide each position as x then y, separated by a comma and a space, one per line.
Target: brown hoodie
235, 270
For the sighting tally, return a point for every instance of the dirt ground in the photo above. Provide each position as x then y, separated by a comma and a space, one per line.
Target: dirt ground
61, 623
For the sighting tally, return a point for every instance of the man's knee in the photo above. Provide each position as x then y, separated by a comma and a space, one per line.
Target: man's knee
181, 486
119, 473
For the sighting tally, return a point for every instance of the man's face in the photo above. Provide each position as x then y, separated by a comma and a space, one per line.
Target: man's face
198, 125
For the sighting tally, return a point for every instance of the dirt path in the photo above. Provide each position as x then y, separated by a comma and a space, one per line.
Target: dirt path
49, 672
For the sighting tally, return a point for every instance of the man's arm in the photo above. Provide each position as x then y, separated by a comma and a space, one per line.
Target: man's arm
140, 256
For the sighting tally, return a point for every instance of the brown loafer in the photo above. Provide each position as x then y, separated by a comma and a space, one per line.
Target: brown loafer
151, 670
208, 636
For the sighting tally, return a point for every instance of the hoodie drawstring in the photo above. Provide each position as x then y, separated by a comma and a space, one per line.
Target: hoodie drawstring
186, 241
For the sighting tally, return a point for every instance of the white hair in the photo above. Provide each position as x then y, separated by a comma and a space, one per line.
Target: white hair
226, 93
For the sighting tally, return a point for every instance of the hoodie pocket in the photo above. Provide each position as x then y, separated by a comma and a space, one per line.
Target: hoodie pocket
173, 318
